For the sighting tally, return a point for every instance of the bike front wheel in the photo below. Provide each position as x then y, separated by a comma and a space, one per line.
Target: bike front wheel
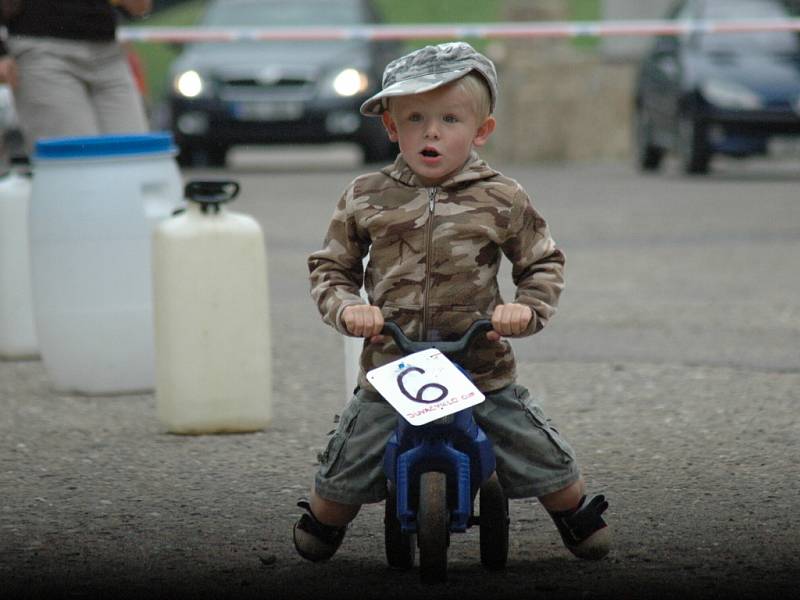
433, 527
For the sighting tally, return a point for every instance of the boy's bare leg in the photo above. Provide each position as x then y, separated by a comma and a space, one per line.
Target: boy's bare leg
332, 513
564, 499
579, 520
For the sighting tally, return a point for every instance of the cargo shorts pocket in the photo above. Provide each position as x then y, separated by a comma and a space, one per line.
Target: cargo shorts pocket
330, 456
537, 417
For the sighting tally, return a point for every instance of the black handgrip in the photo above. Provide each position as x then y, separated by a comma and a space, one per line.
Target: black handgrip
211, 193
451, 348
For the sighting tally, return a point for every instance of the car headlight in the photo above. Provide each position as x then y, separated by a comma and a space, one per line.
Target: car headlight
190, 84
727, 94
346, 83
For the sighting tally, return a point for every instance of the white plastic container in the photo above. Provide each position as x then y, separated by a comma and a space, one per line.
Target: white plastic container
213, 368
94, 204
17, 330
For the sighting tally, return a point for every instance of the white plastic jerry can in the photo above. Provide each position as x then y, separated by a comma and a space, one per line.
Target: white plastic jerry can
17, 329
212, 329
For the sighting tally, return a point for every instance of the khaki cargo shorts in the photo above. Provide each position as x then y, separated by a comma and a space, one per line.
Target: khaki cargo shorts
532, 458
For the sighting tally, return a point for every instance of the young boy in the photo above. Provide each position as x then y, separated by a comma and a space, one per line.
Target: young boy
435, 224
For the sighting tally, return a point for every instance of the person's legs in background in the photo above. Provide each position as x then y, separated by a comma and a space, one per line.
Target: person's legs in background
51, 99
116, 99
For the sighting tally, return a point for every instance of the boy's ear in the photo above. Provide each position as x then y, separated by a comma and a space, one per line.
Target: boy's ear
484, 131
390, 125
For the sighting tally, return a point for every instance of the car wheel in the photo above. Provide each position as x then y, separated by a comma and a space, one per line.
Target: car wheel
216, 156
693, 147
379, 153
648, 156
185, 156
202, 156
379, 149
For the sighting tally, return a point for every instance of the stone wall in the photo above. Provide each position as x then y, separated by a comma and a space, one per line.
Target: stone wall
559, 102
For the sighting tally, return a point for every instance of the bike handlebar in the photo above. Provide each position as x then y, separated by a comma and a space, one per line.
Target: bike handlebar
451, 348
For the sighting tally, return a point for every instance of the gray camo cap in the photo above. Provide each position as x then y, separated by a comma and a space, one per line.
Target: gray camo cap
429, 68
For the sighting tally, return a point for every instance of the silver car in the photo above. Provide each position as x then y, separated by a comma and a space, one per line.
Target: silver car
278, 92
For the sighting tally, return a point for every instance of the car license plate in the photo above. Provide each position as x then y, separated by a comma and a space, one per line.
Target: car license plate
267, 111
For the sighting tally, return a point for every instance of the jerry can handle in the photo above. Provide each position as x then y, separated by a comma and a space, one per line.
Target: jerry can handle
209, 194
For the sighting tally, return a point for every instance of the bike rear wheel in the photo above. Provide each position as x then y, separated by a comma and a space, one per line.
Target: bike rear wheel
400, 547
433, 527
493, 525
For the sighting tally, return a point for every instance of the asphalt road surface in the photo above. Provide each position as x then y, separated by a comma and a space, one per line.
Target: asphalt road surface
673, 367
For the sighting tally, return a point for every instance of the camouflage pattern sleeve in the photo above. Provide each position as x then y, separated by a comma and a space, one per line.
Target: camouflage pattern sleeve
537, 264
336, 271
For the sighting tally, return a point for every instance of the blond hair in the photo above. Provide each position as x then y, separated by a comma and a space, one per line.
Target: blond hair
474, 86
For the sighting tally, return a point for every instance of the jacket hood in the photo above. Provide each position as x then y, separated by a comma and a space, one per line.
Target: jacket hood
474, 169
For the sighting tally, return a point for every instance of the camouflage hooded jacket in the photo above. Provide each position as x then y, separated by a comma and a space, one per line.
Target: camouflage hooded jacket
434, 254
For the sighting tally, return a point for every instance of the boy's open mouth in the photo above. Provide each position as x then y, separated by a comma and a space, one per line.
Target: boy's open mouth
430, 152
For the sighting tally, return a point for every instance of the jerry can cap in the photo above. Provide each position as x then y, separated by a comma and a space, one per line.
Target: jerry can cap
105, 146
211, 193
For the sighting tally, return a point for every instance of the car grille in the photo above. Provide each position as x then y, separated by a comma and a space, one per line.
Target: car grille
245, 88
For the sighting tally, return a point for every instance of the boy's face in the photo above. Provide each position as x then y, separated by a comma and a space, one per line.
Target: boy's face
436, 131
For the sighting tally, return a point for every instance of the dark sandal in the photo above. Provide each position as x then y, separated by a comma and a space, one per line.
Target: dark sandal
583, 529
313, 540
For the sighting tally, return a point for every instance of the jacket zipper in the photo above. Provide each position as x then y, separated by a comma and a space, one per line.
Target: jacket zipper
428, 243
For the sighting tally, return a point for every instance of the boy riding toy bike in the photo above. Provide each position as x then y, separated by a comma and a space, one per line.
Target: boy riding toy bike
435, 225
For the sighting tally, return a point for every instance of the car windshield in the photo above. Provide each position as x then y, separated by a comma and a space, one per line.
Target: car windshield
773, 42
279, 13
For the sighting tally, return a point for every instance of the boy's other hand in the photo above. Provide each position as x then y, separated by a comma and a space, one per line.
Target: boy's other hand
509, 320
364, 320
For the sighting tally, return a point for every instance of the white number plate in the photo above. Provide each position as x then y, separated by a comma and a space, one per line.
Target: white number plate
425, 386
268, 111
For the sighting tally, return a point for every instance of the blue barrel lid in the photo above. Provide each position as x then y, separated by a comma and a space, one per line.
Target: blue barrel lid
105, 146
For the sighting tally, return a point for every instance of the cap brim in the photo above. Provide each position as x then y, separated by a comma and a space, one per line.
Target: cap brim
373, 107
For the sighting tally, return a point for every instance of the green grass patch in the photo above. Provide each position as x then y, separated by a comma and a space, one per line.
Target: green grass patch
156, 57
441, 11
585, 10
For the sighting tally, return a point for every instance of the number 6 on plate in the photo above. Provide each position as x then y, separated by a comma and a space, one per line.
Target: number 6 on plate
425, 386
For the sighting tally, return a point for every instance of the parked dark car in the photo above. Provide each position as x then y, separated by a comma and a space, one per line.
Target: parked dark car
736, 94
275, 92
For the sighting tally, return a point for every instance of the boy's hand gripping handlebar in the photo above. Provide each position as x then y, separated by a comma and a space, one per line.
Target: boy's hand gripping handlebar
448, 348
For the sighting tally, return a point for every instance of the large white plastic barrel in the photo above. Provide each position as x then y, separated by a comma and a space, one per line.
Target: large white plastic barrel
17, 330
94, 204
213, 368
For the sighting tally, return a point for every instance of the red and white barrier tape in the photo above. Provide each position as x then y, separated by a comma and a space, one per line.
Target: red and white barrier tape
551, 29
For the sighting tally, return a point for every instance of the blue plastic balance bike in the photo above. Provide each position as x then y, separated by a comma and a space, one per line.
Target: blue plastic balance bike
434, 473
